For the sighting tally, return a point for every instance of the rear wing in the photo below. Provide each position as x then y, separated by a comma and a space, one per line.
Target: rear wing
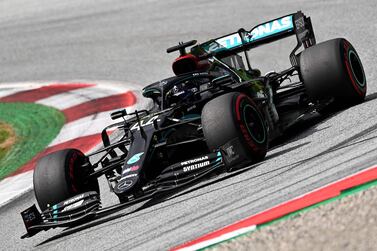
294, 24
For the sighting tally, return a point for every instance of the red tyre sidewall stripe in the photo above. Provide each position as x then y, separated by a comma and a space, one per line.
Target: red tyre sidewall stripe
238, 101
241, 125
71, 165
360, 90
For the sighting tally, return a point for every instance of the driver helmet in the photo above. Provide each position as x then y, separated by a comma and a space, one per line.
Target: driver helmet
182, 91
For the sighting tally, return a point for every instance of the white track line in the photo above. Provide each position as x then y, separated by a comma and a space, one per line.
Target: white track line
75, 97
9, 91
219, 239
15, 186
89, 125
95, 123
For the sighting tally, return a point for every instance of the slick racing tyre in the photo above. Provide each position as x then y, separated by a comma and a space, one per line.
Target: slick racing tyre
235, 116
59, 176
333, 69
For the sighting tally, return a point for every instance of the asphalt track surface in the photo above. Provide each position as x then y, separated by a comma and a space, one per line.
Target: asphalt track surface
126, 41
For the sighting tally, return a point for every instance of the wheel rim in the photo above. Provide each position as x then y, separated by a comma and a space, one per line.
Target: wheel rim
357, 68
254, 124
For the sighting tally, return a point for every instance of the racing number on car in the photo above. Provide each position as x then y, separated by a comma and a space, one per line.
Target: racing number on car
144, 122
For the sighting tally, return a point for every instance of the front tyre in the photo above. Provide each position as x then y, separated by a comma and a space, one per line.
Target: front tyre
61, 175
235, 116
333, 69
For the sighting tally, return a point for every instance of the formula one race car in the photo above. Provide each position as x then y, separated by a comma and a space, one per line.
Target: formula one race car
215, 115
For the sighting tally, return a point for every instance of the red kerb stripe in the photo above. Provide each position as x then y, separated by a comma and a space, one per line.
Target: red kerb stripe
330, 191
99, 105
43, 92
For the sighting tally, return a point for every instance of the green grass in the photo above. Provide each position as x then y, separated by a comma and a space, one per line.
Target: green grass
35, 127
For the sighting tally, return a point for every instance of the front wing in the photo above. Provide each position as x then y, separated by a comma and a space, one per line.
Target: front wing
87, 206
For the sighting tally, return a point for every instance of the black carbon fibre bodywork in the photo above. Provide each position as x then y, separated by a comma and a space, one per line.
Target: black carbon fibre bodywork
163, 148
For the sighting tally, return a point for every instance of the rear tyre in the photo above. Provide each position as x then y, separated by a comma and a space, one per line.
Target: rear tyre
235, 116
333, 69
59, 176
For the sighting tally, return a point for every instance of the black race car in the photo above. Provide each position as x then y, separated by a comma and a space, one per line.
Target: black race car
215, 115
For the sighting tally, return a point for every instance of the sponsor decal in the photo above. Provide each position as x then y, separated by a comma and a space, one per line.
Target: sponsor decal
132, 168
126, 170
55, 212
219, 157
191, 108
199, 73
188, 162
70, 201
144, 122
29, 216
230, 151
163, 82
134, 158
270, 28
300, 23
196, 166
228, 42
259, 32
125, 184
129, 176
72, 206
